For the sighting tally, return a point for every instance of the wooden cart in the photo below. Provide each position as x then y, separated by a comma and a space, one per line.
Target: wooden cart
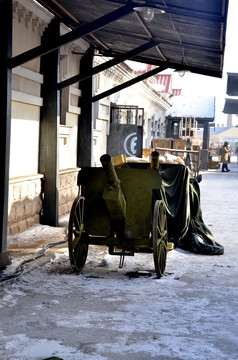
120, 208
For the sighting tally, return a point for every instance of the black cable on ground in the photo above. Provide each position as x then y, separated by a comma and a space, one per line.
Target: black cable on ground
19, 270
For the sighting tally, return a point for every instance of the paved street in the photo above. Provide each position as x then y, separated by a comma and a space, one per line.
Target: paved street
189, 314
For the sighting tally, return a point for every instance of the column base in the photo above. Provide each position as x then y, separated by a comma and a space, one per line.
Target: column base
4, 259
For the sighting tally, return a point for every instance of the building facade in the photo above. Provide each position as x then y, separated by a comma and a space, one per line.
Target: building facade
26, 181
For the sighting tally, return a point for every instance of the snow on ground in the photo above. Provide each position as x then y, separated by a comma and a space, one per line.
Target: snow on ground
111, 313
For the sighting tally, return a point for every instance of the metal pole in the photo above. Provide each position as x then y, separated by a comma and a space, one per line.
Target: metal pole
5, 111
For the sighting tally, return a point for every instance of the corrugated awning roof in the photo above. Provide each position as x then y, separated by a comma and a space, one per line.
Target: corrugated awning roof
189, 34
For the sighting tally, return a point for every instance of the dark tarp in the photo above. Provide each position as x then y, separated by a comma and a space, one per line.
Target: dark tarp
181, 195
186, 228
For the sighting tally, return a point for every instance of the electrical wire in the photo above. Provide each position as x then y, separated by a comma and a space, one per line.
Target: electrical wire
184, 61
19, 270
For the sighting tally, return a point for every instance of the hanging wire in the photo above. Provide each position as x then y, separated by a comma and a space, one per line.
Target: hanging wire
184, 61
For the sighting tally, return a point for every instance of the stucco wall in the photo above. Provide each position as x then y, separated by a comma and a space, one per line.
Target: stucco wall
68, 143
24, 140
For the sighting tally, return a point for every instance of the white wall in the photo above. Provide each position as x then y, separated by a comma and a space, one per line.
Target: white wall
68, 143
24, 140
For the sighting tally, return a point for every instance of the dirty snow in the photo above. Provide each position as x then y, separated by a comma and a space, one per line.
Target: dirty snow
111, 313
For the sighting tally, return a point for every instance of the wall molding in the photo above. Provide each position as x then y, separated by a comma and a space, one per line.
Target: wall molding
26, 98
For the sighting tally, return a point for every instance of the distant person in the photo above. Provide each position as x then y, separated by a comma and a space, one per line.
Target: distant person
225, 156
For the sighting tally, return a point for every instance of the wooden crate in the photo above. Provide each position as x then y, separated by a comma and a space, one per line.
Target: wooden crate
179, 144
162, 143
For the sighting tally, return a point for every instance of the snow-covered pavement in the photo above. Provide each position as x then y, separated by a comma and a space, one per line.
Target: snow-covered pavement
111, 313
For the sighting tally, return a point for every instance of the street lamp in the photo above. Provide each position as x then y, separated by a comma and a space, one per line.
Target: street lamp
148, 10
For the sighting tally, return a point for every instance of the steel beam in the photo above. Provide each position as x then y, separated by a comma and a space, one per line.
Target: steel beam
129, 83
118, 59
81, 31
49, 128
5, 111
85, 121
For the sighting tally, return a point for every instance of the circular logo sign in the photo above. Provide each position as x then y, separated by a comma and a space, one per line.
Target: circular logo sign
130, 144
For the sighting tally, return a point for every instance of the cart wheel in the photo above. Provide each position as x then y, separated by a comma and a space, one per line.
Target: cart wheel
159, 237
78, 250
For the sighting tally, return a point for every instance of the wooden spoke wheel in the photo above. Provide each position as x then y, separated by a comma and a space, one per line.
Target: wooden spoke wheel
78, 247
159, 237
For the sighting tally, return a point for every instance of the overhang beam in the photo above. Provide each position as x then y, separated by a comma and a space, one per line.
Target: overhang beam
130, 82
172, 65
108, 64
70, 36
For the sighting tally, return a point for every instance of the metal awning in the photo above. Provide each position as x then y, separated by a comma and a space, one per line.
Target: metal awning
187, 34
232, 84
231, 106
